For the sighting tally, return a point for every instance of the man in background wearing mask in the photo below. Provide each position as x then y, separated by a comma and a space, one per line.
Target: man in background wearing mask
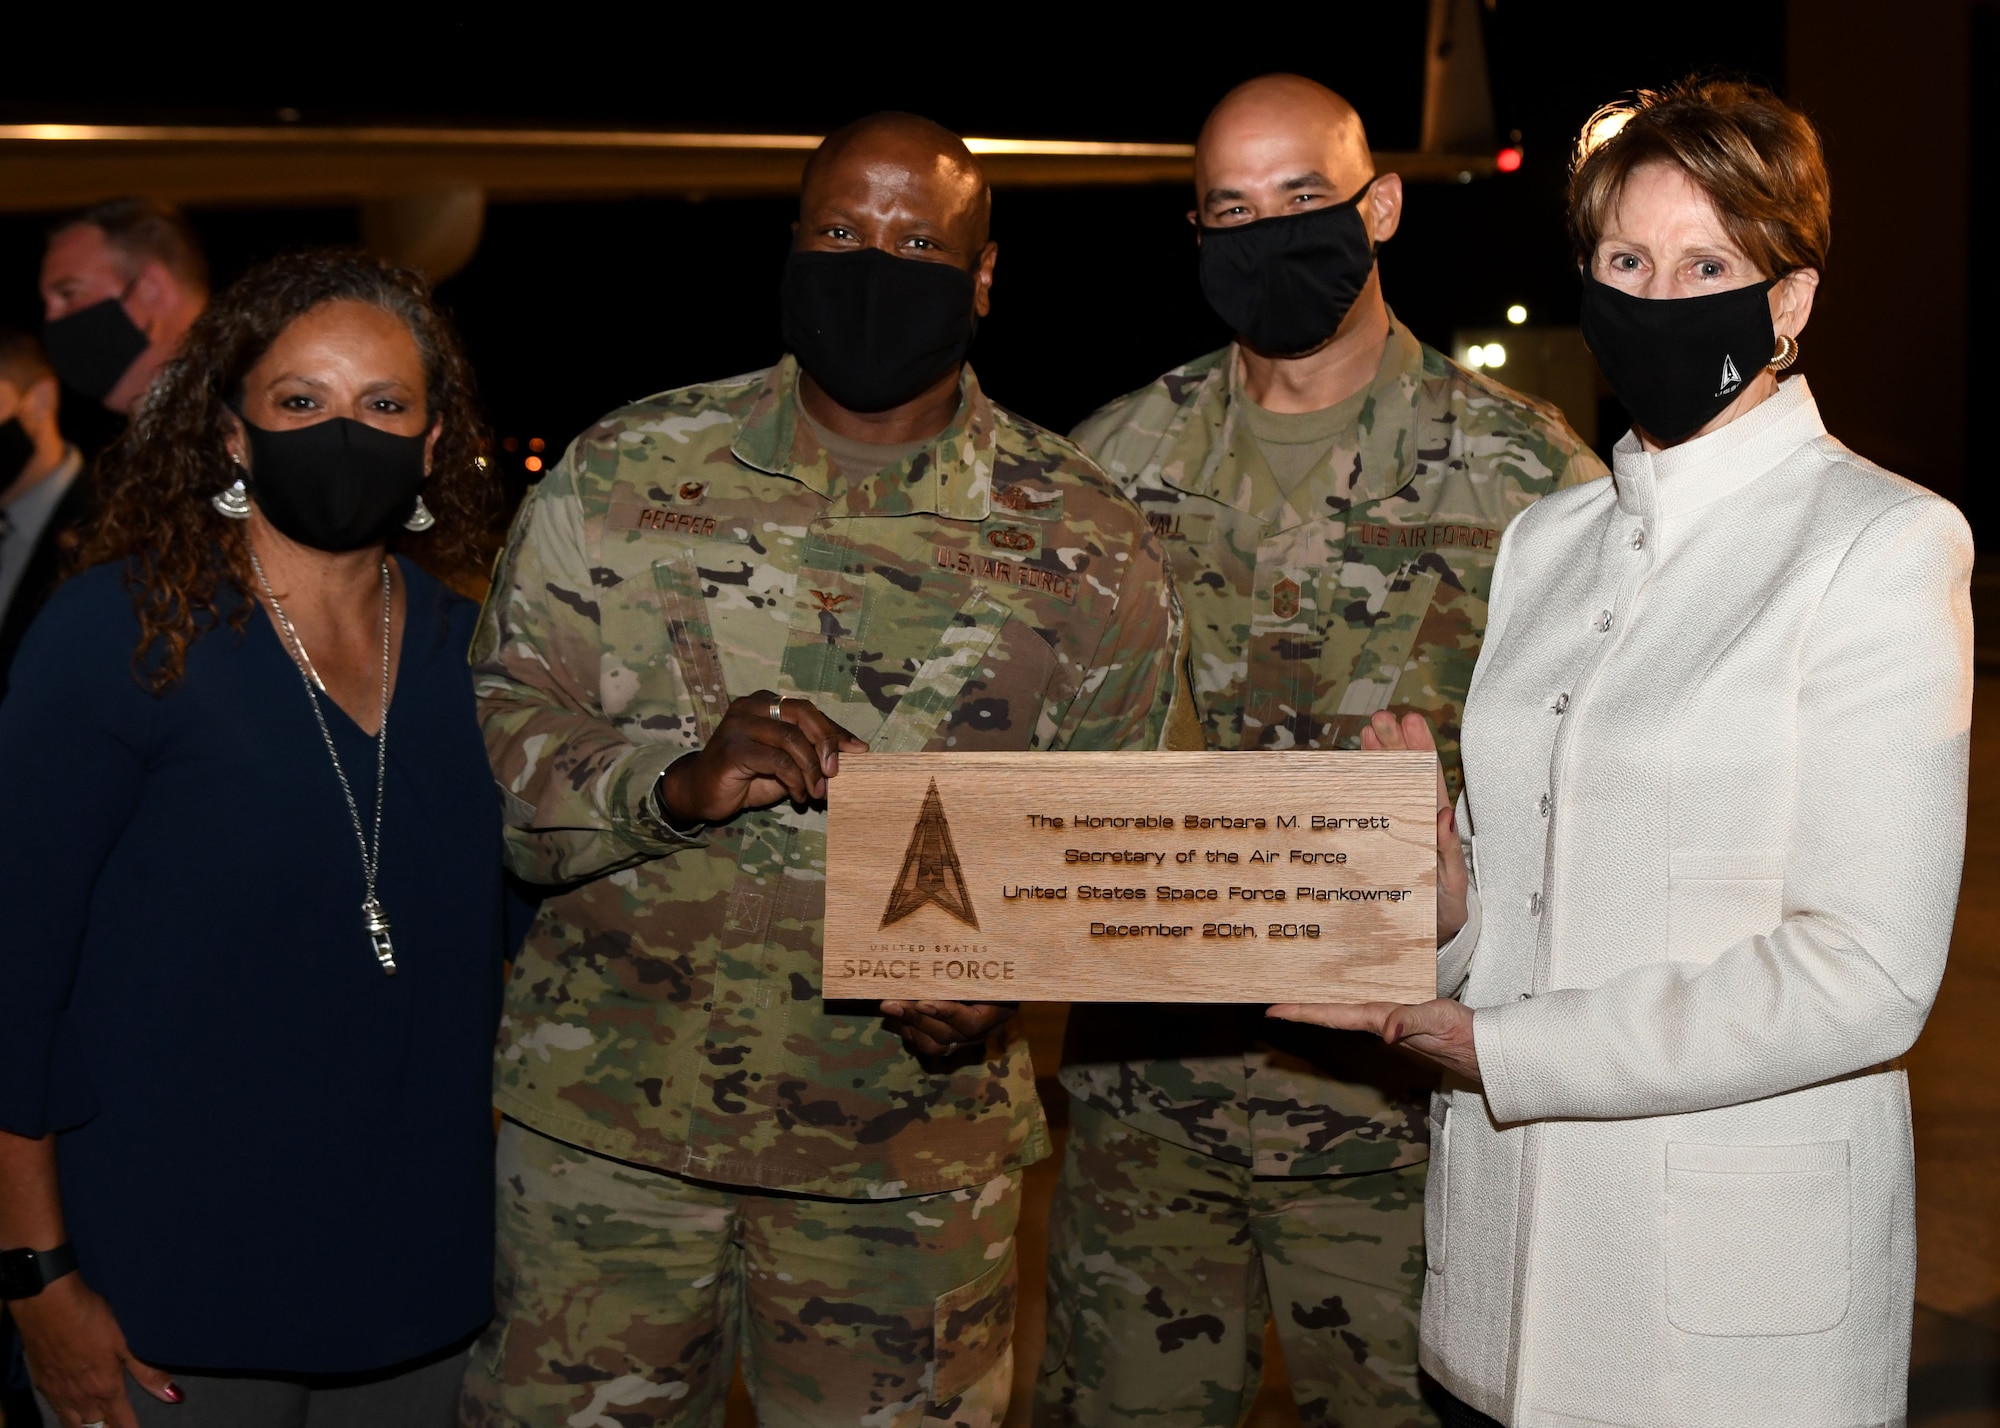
121, 285
711, 597
41, 499
1331, 493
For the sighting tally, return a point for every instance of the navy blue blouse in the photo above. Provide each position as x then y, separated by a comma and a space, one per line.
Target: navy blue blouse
274, 1157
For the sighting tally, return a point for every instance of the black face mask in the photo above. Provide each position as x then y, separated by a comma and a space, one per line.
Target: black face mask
873, 329
94, 347
335, 485
17, 449
1284, 285
1676, 362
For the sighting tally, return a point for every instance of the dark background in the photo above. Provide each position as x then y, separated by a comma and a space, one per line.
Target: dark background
570, 309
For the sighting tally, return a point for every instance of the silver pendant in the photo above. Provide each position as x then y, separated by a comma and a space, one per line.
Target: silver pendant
377, 923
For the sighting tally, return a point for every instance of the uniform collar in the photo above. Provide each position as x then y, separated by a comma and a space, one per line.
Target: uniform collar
1384, 447
951, 477
1684, 478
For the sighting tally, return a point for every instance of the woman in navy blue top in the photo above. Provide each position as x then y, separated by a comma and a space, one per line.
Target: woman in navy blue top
249, 974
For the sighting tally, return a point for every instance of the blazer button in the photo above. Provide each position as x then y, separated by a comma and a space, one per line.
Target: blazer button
1603, 624
1534, 904
1638, 539
1562, 703
1546, 804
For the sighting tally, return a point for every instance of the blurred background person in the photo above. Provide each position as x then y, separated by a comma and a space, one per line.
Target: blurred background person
122, 283
42, 500
1715, 773
248, 995
1330, 492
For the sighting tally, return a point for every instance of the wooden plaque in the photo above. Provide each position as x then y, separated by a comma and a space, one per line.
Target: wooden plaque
1142, 877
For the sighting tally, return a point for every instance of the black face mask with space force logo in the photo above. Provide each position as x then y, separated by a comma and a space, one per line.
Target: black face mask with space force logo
1677, 362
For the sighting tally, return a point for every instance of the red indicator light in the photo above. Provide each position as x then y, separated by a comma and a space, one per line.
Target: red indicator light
1507, 160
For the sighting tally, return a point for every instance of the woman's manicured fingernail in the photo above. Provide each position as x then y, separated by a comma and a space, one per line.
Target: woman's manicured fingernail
173, 1394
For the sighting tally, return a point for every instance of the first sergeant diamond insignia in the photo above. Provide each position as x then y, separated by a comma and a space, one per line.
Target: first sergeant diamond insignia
931, 872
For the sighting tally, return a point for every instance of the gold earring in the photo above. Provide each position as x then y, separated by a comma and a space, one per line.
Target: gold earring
1788, 353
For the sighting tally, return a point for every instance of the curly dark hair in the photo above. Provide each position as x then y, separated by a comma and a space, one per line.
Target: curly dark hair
183, 559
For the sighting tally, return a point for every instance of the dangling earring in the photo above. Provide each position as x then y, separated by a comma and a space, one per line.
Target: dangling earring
1788, 353
234, 502
421, 518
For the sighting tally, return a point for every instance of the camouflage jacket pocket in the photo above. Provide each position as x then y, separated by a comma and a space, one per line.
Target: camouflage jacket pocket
685, 614
960, 653
972, 1326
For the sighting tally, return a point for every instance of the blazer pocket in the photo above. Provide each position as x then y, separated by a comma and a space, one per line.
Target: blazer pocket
1757, 1238
1734, 864
1437, 1184
972, 1328
1717, 897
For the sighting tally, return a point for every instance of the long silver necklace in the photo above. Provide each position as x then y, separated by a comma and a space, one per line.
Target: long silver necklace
372, 916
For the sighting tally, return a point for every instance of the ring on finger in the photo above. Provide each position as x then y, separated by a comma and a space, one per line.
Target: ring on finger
777, 708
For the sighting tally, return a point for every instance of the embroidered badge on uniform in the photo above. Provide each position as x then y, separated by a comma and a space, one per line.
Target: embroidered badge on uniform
1285, 598
1026, 501
693, 490
1011, 538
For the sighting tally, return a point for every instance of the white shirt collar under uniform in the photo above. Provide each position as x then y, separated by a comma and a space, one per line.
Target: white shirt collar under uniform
27, 517
1661, 486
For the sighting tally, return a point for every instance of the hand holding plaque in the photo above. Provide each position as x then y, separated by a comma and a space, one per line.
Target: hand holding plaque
1413, 731
1440, 1030
765, 749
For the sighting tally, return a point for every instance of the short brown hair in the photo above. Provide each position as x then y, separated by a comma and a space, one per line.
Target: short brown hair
145, 228
1757, 158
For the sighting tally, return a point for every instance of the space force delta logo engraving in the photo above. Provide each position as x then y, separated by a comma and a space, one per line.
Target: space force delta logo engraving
931, 872
1731, 378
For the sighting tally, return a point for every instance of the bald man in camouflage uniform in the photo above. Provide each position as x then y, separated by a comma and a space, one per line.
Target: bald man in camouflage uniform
1331, 518
711, 596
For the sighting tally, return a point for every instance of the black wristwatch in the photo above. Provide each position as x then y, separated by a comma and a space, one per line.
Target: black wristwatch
25, 1273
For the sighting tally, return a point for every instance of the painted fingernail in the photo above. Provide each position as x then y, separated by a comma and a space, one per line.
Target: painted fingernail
172, 1393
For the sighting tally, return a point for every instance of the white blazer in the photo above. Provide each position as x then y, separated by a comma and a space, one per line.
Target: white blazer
1715, 767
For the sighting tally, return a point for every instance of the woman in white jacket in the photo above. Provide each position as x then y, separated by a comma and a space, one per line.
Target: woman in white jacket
1715, 761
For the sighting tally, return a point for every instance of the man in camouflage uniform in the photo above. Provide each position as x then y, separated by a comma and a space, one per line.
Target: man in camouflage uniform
714, 593
1331, 516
